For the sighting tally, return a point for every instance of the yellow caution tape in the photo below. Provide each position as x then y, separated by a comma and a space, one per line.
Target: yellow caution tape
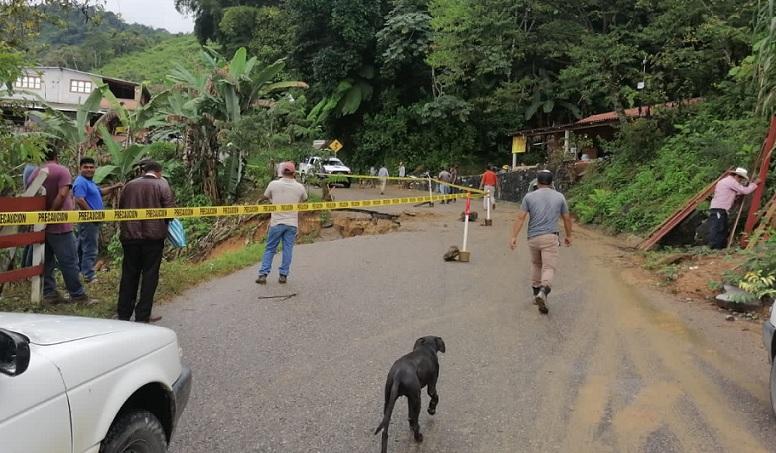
123, 215
404, 178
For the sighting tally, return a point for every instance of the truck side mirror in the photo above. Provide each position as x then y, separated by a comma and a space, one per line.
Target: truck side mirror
14, 353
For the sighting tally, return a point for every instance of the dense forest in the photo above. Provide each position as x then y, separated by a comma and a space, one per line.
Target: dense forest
428, 81
86, 39
434, 82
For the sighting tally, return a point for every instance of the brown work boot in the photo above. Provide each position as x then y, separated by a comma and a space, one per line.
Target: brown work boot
282, 279
83, 299
262, 280
53, 299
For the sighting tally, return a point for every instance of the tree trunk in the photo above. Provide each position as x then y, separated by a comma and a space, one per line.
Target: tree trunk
210, 181
619, 109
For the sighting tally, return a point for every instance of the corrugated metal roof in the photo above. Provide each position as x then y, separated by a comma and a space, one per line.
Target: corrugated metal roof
104, 78
609, 117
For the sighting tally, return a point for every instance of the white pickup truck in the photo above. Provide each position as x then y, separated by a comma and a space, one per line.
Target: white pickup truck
315, 165
70, 384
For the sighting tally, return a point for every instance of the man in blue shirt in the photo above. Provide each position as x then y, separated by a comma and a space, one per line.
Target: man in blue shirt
88, 197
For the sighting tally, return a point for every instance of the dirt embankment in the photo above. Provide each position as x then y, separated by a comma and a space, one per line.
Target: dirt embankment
693, 275
313, 227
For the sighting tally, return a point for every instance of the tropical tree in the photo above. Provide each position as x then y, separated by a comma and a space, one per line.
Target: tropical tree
765, 58
122, 158
135, 121
202, 107
75, 133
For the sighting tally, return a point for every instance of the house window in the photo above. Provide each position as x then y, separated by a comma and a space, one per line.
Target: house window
29, 82
80, 86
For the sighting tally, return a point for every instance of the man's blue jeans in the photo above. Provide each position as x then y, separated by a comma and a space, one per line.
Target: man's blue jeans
277, 233
88, 245
61, 252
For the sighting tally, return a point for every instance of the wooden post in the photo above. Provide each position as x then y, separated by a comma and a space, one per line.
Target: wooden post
763, 163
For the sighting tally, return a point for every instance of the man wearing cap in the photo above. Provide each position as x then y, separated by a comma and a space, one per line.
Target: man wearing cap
725, 193
283, 225
544, 207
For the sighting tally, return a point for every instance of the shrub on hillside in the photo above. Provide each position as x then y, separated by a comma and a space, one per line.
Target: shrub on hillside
642, 187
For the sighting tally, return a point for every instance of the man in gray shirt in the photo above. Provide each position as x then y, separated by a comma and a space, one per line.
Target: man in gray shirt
544, 207
282, 225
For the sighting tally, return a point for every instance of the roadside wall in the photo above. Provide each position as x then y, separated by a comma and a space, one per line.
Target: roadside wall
514, 185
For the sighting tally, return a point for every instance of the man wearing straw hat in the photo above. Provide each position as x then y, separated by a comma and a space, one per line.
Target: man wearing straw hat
725, 193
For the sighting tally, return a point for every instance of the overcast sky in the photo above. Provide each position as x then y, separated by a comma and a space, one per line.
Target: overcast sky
154, 13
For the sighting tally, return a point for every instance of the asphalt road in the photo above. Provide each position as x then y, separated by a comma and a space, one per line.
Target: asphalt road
615, 367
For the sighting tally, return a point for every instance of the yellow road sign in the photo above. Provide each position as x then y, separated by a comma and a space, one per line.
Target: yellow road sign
335, 146
518, 144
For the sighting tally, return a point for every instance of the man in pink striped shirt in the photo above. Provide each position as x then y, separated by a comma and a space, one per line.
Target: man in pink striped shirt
725, 193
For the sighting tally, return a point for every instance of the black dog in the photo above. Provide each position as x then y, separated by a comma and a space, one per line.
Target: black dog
407, 377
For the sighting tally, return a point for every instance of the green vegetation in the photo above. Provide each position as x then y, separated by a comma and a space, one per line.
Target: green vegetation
427, 82
176, 276
86, 39
652, 173
152, 65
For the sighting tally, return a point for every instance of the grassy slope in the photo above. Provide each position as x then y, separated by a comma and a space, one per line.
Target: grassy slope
153, 64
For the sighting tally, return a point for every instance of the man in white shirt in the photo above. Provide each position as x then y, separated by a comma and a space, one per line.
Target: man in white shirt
283, 225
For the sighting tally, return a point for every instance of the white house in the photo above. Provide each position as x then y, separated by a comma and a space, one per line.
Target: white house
66, 89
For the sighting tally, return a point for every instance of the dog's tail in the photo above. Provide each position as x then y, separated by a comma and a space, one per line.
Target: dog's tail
389, 407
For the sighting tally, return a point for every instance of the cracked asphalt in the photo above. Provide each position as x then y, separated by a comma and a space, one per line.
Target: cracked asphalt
615, 367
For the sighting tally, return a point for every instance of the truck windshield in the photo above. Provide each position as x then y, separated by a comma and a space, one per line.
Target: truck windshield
333, 161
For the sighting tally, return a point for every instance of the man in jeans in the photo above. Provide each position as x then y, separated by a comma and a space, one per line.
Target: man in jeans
60, 243
444, 189
88, 197
143, 243
544, 207
283, 225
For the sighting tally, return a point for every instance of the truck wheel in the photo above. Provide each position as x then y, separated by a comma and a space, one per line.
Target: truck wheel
347, 184
137, 432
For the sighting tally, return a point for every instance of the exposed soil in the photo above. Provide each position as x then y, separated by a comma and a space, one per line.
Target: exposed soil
343, 225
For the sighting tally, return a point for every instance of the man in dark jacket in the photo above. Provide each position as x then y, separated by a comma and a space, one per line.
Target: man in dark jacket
143, 243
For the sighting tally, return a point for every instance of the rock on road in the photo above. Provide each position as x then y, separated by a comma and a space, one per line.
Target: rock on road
614, 367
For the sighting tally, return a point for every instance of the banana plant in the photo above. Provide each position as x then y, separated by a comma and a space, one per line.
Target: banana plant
346, 99
75, 133
135, 121
122, 159
204, 105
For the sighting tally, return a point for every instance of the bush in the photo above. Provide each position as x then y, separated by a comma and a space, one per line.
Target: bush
650, 176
